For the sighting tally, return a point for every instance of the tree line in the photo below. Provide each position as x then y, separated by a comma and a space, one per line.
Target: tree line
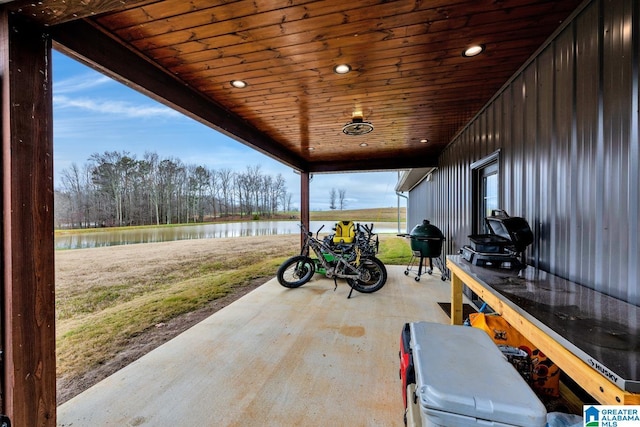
115, 189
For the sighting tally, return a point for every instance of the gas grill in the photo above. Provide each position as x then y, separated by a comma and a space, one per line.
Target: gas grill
504, 246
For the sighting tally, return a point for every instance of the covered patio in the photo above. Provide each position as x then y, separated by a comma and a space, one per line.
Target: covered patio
272, 76
306, 356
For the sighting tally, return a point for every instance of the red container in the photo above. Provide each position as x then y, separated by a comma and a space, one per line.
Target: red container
407, 374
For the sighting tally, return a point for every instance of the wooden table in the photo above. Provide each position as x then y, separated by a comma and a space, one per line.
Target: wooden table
592, 337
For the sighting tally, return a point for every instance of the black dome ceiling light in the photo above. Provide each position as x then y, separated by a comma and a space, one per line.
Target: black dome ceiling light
357, 126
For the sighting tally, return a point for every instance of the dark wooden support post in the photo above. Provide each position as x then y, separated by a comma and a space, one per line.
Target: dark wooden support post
28, 306
304, 201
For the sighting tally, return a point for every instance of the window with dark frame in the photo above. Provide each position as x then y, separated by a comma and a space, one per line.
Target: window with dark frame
486, 191
488, 196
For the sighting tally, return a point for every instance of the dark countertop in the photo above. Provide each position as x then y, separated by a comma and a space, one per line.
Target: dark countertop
601, 330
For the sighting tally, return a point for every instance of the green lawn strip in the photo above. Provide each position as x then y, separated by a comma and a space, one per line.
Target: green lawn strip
98, 337
98, 298
83, 301
394, 251
94, 299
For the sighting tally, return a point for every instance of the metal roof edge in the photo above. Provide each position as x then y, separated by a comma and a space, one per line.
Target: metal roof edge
412, 177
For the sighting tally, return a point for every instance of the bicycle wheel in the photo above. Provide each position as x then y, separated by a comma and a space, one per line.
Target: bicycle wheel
295, 271
374, 276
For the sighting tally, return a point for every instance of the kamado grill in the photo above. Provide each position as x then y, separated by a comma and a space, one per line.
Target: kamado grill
504, 247
426, 243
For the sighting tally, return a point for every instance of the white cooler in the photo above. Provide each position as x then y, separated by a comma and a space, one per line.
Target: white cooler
462, 379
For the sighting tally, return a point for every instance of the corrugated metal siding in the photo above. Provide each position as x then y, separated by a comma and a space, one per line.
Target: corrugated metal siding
567, 130
419, 205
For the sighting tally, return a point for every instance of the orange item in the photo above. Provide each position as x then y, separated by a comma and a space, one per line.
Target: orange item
545, 378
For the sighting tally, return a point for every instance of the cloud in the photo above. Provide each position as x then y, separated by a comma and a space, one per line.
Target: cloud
80, 83
120, 108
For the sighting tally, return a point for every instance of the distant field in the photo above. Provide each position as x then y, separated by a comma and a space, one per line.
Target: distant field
371, 215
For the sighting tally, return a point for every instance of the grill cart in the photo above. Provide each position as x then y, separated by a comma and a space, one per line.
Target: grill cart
504, 246
426, 243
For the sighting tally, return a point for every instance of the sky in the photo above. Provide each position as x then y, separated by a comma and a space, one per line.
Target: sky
93, 114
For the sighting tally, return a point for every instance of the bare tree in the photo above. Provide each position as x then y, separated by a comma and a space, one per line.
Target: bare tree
266, 196
108, 174
226, 180
74, 183
341, 198
253, 184
152, 182
278, 193
63, 211
214, 192
169, 171
199, 180
288, 204
332, 199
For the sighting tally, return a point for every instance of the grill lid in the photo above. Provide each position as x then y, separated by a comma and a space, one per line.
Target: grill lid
427, 230
513, 228
427, 240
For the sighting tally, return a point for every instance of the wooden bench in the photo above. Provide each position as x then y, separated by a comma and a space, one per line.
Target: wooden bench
592, 337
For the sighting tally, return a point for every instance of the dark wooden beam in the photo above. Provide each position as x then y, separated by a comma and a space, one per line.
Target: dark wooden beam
28, 305
304, 202
87, 44
391, 164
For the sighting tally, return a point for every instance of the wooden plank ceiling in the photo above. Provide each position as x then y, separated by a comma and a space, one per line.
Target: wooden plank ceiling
408, 78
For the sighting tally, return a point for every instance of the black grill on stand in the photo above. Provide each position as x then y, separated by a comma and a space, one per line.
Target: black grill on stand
504, 247
426, 243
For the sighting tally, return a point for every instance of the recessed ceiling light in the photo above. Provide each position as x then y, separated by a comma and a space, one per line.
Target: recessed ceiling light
473, 50
363, 144
311, 148
342, 68
239, 84
424, 140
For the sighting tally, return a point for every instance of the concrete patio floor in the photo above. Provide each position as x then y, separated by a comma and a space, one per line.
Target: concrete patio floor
275, 357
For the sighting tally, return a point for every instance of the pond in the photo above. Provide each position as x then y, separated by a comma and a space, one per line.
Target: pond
125, 236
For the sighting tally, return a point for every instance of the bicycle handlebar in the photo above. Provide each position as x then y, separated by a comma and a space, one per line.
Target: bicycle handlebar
368, 229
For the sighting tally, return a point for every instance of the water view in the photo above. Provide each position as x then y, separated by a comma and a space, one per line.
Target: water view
205, 231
